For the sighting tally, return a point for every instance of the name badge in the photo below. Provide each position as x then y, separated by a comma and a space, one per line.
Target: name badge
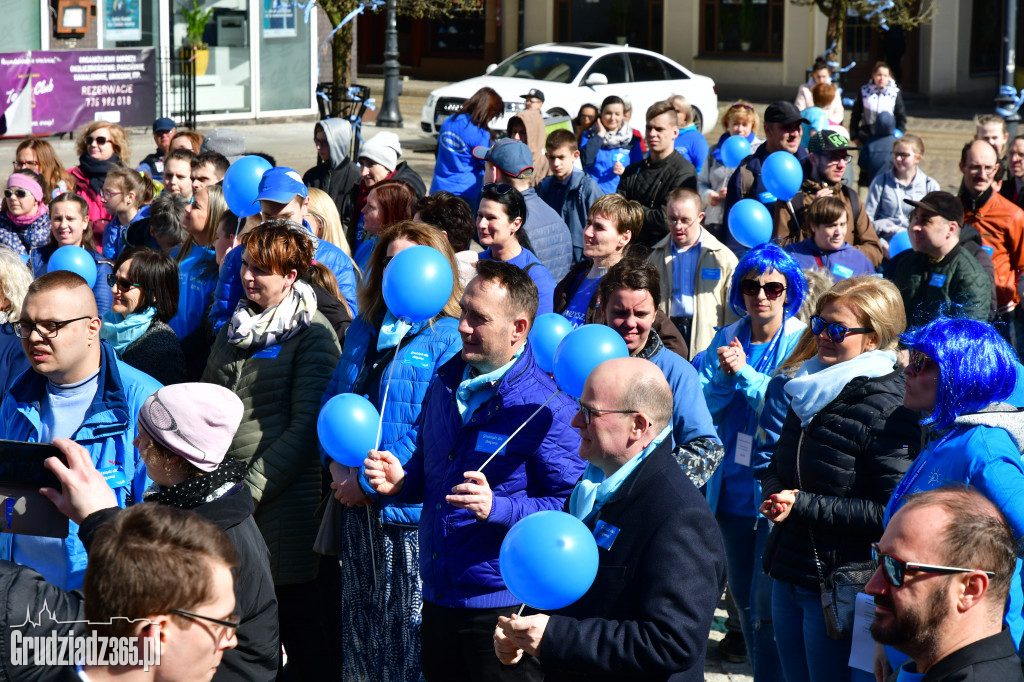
9, 510
605, 534
417, 358
268, 352
711, 273
989, 250
744, 448
489, 442
841, 271
937, 280
767, 197
115, 478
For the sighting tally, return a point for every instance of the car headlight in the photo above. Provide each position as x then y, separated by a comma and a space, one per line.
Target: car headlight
431, 99
512, 107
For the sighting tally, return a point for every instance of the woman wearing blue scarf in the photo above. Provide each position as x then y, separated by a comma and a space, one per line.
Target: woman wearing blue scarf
145, 297
380, 583
739, 119
767, 291
842, 440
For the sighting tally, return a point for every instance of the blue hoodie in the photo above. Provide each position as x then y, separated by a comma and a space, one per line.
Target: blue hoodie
843, 263
693, 146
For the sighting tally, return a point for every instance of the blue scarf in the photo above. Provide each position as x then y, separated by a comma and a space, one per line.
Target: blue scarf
816, 385
593, 490
120, 331
393, 330
717, 150
469, 395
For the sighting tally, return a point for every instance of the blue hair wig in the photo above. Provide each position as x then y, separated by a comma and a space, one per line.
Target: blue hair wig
977, 367
769, 257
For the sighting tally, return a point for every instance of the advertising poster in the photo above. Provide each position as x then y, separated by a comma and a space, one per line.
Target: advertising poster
57, 91
278, 19
122, 20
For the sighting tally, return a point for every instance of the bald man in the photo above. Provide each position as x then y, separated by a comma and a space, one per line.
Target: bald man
640, 618
77, 388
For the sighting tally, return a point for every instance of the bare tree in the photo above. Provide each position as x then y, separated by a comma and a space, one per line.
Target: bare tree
905, 14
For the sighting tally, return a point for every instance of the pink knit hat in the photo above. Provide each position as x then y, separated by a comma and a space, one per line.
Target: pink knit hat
194, 420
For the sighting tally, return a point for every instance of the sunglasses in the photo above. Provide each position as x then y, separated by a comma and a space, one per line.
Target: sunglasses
739, 105
836, 332
772, 290
100, 141
17, 192
894, 570
122, 285
918, 361
499, 188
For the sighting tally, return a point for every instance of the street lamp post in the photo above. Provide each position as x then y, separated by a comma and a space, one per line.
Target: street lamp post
389, 115
1006, 98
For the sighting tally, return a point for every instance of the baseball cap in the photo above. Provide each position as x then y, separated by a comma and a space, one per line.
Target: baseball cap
196, 421
281, 184
512, 157
942, 204
534, 92
826, 141
163, 124
785, 112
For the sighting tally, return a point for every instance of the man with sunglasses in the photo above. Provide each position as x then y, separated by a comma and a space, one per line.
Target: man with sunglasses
823, 177
77, 388
943, 571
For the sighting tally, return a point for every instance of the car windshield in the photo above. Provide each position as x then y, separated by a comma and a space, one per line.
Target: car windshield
555, 67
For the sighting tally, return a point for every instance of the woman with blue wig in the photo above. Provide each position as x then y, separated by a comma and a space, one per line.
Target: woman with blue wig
960, 371
766, 291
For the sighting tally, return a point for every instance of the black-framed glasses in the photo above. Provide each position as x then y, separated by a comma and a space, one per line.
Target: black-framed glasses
45, 328
839, 158
123, 285
772, 290
589, 413
499, 188
836, 332
894, 570
227, 628
100, 141
16, 192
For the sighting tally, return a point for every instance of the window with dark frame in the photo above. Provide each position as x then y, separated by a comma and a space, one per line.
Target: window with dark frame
742, 28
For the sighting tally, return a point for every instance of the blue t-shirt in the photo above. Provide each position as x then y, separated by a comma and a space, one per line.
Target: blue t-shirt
527, 260
740, 494
684, 270
576, 311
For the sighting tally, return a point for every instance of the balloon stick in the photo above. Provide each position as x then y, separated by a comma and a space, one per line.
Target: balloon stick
535, 412
521, 607
403, 327
792, 212
369, 534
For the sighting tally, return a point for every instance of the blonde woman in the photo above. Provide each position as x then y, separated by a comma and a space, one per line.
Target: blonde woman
326, 221
14, 280
101, 146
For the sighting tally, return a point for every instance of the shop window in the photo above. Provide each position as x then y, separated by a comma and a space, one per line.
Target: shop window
742, 28
987, 21
461, 36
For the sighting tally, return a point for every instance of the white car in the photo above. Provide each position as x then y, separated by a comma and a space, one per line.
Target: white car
573, 74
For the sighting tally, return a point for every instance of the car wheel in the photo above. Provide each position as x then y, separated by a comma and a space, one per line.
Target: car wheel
698, 120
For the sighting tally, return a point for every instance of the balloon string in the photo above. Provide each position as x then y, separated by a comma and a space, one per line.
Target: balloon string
369, 534
387, 386
521, 607
535, 412
792, 212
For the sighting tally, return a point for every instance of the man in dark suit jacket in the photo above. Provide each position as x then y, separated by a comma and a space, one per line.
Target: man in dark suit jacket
662, 564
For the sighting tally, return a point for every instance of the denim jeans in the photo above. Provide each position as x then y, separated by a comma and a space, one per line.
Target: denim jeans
751, 588
805, 650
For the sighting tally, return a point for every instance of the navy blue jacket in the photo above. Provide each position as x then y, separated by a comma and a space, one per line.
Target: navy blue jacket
572, 201
549, 235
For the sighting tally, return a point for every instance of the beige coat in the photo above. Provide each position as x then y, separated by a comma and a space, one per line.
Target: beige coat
711, 296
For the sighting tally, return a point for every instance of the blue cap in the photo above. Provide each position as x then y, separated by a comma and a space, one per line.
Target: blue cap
163, 124
512, 157
281, 184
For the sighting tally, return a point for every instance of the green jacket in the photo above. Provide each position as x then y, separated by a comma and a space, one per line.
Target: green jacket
277, 438
957, 286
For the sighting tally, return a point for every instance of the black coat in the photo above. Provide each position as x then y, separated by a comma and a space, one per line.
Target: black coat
650, 183
987, 660
337, 182
648, 613
854, 452
257, 653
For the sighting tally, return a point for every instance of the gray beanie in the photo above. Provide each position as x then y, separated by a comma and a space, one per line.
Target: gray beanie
382, 148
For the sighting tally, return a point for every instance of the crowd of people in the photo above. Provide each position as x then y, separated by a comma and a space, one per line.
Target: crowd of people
789, 411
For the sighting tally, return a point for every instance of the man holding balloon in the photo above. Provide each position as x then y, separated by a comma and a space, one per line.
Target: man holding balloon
661, 560
477, 401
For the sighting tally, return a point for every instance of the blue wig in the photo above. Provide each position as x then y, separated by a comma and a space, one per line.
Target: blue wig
977, 367
769, 257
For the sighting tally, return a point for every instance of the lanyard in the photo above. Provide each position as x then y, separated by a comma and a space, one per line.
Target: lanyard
764, 364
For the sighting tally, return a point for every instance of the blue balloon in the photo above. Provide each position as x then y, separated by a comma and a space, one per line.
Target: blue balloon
417, 283
548, 560
548, 331
750, 223
782, 175
899, 243
735, 149
74, 259
897, 133
581, 351
347, 428
242, 185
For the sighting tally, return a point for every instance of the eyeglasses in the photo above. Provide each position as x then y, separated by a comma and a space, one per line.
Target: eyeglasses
680, 221
918, 361
740, 105
499, 188
227, 628
320, 141
894, 570
107, 193
16, 192
845, 158
902, 155
984, 170
590, 413
100, 141
772, 290
836, 332
45, 328
18, 165
122, 285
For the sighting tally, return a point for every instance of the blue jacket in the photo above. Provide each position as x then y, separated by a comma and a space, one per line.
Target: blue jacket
549, 235
572, 200
456, 170
843, 263
729, 397
228, 291
40, 258
598, 162
197, 278
693, 146
12, 358
541, 276
113, 242
536, 471
107, 433
421, 356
